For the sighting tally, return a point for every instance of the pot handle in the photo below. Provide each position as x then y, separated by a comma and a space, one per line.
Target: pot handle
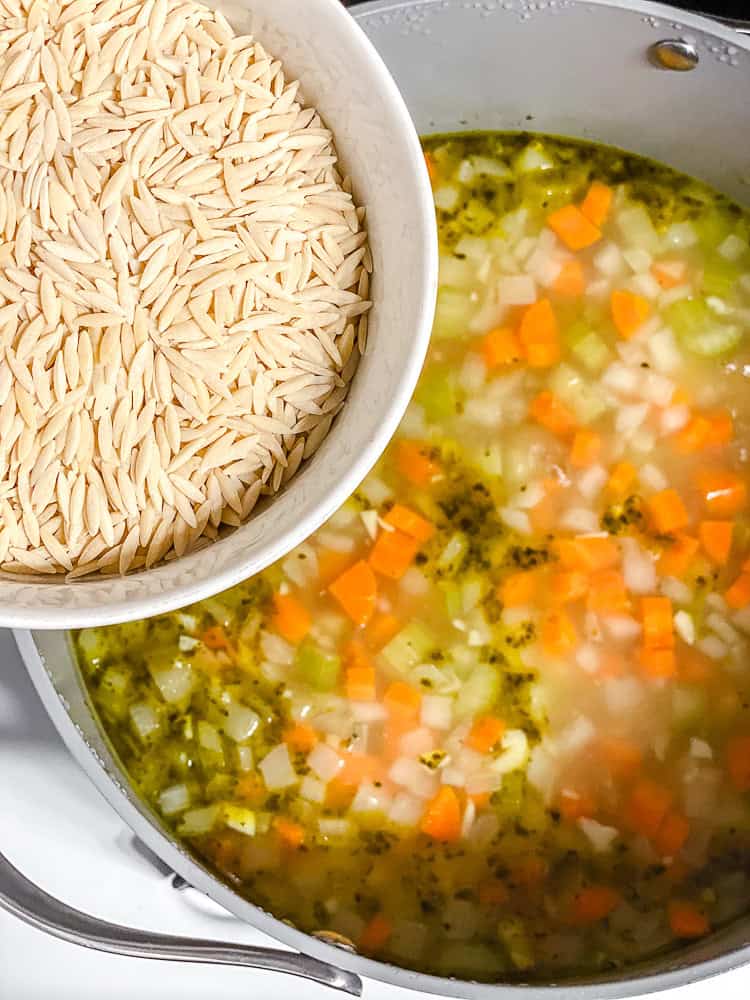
29, 903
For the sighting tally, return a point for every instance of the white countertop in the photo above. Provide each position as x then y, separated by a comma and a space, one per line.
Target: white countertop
56, 828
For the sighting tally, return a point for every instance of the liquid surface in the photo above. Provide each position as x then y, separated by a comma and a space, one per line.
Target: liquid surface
494, 718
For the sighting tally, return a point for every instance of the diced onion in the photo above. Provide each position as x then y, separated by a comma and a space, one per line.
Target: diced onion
622, 694
721, 627
680, 235
276, 768
209, 738
515, 519
601, 837
241, 722
406, 810
196, 822
576, 735
674, 418
460, 918
675, 590
658, 389
437, 711
638, 567
472, 374
684, 626
369, 798
587, 657
414, 777
629, 418
245, 758
334, 829
446, 197
608, 260
591, 481
324, 761
621, 379
312, 789
516, 290
700, 749
732, 248
514, 751
579, 519
174, 799
275, 649
175, 683
145, 720
665, 354
416, 742
622, 628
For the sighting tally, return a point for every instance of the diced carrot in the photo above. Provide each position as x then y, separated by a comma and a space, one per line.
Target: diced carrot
672, 834
622, 478
339, 794
442, 818
738, 595
381, 630
429, 162
597, 203
669, 273
356, 590
623, 757
552, 413
738, 762
723, 492
676, 558
647, 806
355, 654
539, 335
658, 629
575, 805
570, 282
493, 893
501, 347
480, 799
587, 553
415, 463
300, 737
567, 586
716, 539
251, 788
216, 638
722, 428
530, 871
410, 523
517, 589
559, 635
687, 920
572, 227
360, 683
607, 593
393, 553
629, 312
291, 618
586, 448
658, 662
331, 564
376, 934
485, 734
293, 834
593, 904
359, 767
402, 700
694, 436
694, 667
668, 513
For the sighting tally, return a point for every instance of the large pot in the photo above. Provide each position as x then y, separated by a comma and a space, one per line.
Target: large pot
576, 67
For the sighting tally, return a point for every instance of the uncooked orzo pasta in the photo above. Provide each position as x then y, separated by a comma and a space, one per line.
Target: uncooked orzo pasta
183, 282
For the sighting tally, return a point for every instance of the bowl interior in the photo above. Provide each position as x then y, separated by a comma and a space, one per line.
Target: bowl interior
345, 79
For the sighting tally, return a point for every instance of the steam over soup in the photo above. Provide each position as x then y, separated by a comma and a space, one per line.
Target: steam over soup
494, 717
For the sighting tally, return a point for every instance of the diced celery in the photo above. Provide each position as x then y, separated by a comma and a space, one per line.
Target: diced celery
713, 227
689, 317
635, 224
453, 553
409, 647
512, 933
115, 682
588, 347
436, 394
589, 403
489, 459
453, 600
456, 272
565, 382
719, 277
477, 217
451, 313
478, 692
318, 669
240, 819
208, 737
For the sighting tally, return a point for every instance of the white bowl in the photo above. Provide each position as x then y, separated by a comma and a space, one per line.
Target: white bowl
344, 77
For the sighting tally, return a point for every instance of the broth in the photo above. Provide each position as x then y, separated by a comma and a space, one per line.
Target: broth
493, 719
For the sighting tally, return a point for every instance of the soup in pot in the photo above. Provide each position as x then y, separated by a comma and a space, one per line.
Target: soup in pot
493, 718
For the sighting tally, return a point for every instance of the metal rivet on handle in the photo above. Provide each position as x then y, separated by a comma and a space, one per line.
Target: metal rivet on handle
673, 53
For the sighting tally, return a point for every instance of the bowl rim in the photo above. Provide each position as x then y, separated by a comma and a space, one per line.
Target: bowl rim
90, 610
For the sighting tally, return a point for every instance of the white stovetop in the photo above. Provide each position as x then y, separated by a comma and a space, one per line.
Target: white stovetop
55, 827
